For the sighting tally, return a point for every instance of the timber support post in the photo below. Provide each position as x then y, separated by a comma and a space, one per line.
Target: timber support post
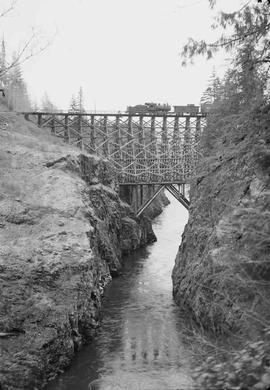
53, 124
105, 136
80, 140
39, 119
66, 131
92, 134
118, 140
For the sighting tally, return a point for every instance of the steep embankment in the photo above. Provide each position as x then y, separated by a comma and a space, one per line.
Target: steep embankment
62, 235
222, 268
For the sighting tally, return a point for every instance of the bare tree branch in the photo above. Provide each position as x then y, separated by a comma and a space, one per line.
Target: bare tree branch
9, 9
29, 49
25, 53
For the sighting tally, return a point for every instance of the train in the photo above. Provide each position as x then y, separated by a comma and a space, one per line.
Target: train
162, 109
149, 108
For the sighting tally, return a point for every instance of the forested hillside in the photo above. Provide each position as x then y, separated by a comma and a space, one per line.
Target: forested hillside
222, 270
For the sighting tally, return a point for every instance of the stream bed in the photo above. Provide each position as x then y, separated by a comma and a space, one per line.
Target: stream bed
140, 345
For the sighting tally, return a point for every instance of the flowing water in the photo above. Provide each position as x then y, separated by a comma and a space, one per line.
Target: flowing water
140, 345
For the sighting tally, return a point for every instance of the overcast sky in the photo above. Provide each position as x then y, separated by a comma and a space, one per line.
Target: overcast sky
122, 52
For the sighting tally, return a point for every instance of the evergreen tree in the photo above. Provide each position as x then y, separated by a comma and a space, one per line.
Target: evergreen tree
46, 104
77, 107
249, 42
81, 100
17, 95
245, 83
212, 92
248, 27
251, 77
73, 104
34, 106
3, 65
77, 102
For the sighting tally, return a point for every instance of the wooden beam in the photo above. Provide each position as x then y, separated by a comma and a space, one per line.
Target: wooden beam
39, 118
80, 140
118, 138
149, 201
130, 146
105, 136
92, 133
198, 130
67, 135
53, 124
180, 197
176, 137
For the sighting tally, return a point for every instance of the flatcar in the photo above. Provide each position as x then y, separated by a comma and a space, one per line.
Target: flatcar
149, 108
189, 109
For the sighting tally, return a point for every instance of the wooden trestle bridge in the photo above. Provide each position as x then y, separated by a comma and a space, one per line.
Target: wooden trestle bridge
157, 151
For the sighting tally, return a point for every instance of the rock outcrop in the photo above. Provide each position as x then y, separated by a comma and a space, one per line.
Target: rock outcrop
63, 231
222, 269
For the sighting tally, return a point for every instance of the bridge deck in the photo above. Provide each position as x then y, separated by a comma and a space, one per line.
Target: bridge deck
113, 114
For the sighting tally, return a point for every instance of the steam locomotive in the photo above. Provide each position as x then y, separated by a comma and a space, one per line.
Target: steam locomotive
149, 108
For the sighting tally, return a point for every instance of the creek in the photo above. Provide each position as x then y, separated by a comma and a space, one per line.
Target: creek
140, 345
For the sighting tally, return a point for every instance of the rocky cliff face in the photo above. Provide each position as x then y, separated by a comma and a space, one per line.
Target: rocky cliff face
222, 269
63, 231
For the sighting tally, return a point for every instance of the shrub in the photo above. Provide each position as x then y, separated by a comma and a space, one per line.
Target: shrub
248, 368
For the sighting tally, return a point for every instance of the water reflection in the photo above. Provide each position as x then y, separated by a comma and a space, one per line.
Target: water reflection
139, 345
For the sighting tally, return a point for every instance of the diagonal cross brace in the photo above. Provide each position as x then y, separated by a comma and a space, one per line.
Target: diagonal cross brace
178, 195
150, 200
170, 187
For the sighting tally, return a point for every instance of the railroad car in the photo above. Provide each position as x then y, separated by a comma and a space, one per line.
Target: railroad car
190, 109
